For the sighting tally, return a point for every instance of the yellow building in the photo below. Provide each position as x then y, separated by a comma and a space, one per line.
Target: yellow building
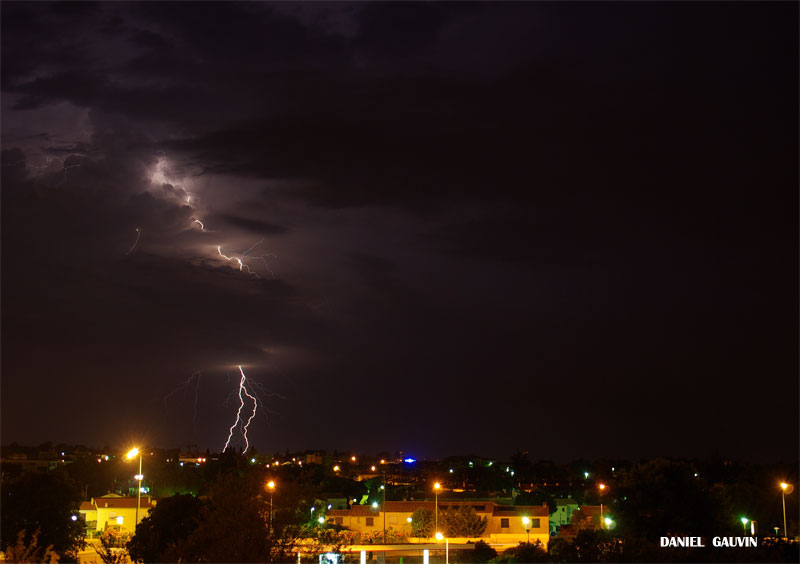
505, 523
114, 511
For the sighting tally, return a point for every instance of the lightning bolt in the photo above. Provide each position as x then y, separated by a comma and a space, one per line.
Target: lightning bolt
200, 223
138, 233
245, 426
243, 256
242, 265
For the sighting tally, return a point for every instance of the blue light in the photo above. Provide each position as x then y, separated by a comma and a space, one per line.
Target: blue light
409, 460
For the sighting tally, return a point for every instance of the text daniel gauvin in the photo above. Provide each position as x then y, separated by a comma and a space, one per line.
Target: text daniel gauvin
716, 541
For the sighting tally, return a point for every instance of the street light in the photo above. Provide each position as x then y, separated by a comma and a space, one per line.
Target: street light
383, 487
271, 487
601, 487
527, 522
133, 453
436, 487
439, 537
784, 488
744, 524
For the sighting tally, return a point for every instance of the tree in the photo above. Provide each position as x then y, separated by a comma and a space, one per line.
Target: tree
481, 554
234, 522
169, 523
45, 503
561, 550
24, 553
524, 552
422, 523
463, 522
597, 545
663, 497
111, 549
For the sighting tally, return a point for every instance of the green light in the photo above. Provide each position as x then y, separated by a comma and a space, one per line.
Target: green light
744, 520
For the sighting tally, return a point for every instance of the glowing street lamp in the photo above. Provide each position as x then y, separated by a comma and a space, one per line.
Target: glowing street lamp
271, 488
321, 520
133, 453
745, 520
527, 523
436, 487
602, 488
784, 488
439, 537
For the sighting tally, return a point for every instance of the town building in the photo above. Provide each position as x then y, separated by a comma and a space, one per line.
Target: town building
505, 523
562, 515
114, 511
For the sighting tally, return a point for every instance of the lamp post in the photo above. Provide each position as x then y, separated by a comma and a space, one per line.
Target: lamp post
271, 487
383, 487
784, 487
439, 537
602, 487
527, 522
133, 453
436, 487
744, 524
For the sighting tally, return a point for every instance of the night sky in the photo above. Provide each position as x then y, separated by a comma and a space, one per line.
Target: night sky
568, 229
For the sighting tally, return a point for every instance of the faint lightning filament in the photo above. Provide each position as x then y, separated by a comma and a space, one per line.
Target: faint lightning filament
138, 233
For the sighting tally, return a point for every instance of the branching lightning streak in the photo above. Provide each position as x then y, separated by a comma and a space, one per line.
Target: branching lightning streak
252, 415
242, 388
237, 259
138, 233
243, 256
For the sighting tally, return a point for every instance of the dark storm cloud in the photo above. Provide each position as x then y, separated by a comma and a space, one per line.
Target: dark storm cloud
254, 225
503, 203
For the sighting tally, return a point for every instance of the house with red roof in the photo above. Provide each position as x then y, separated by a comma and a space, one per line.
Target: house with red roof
114, 511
